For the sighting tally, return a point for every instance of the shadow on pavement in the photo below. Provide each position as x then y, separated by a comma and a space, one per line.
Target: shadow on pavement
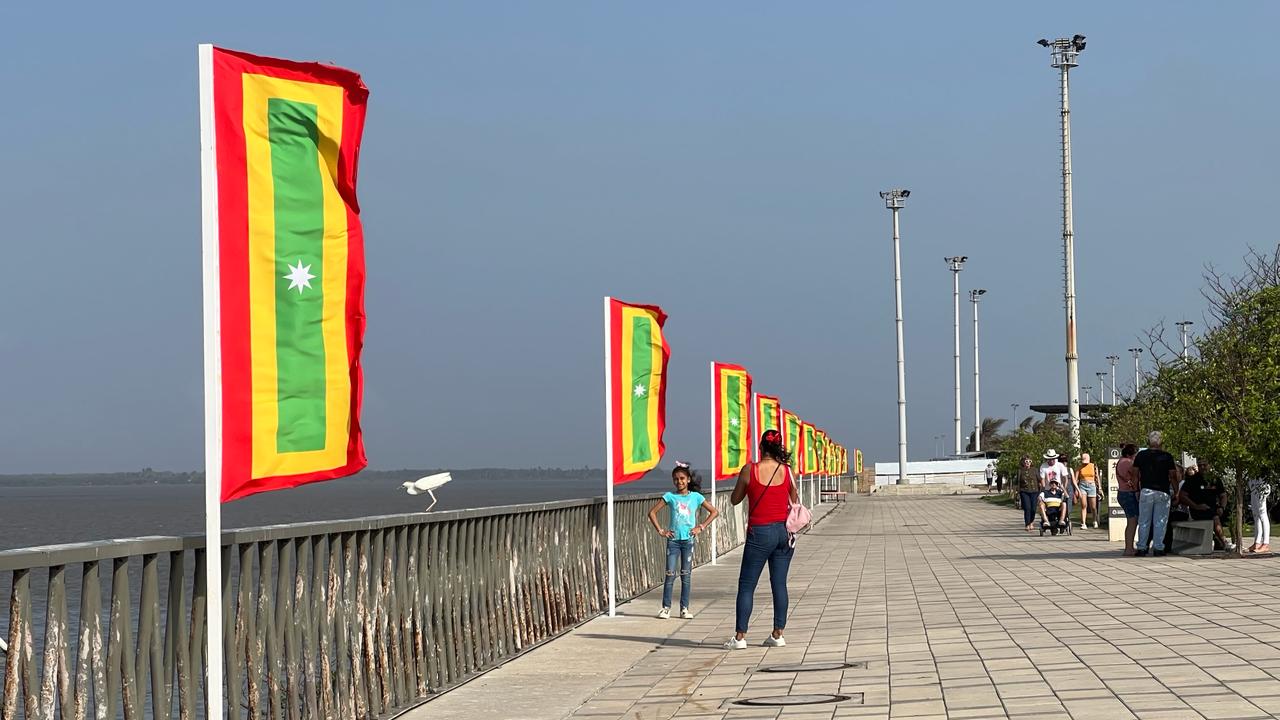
659, 641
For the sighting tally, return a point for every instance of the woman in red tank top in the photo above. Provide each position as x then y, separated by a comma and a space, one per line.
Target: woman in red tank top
769, 491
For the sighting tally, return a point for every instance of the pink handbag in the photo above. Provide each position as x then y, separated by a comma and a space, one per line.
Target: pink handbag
798, 517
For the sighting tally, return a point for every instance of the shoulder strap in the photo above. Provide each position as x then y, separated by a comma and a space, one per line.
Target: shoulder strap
766, 487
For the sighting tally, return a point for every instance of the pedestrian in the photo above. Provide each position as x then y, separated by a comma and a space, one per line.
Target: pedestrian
1127, 486
1087, 488
1259, 489
999, 481
991, 474
1053, 467
684, 503
1158, 475
1029, 488
1206, 499
769, 490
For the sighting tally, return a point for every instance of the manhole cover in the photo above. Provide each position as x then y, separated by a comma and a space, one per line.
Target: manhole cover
810, 667
785, 700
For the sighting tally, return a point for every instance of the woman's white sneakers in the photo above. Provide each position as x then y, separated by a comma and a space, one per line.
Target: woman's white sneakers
771, 641
685, 614
664, 613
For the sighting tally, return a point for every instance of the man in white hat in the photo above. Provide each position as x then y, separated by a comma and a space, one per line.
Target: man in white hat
1053, 469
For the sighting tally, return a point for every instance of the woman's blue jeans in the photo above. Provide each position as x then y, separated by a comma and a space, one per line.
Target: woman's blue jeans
1030, 506
679, 554
765, 544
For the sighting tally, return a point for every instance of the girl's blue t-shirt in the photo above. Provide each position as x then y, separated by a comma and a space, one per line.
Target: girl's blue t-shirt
684, 512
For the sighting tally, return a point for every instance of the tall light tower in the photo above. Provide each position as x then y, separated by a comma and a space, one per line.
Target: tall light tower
957, 264
1087, 397
893, 201
1113, 359
974, 296
1102, 388
1064, 55
1015, 407
1137, 374
1182, 330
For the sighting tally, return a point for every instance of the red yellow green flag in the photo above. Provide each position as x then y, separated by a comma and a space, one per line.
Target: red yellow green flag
731, 396
768, 414
791, 435
821, 441
809, 458
857, 461
638, 356
291, 270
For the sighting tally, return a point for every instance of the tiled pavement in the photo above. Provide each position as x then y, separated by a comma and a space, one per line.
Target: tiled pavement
956, 613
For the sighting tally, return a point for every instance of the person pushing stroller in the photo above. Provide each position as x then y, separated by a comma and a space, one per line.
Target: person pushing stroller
1053, 509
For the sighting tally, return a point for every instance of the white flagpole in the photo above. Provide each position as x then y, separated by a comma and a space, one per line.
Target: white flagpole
608, 463
754, 427
212, 386
714, 470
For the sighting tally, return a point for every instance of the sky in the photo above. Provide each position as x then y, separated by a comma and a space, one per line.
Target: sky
521, 160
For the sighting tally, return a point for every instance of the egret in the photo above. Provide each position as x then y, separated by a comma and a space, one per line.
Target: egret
427, 485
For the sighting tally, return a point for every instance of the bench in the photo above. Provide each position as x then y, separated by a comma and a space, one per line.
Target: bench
832, 496
1191, 537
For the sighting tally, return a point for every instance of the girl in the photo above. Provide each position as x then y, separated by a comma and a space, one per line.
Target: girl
684, 503
768, 488
1259, 490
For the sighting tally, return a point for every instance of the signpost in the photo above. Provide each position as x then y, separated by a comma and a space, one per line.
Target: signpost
1116, 520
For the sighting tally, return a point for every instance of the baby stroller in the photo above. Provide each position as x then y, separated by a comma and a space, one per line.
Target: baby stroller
1056, 519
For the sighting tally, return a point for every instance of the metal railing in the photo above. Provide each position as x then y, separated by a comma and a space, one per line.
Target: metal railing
347, 619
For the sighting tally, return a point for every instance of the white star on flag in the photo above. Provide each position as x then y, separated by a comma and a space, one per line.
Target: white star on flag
299, 277
639, 390
733, 422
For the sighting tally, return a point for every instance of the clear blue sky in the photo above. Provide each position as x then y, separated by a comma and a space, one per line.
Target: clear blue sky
523, 159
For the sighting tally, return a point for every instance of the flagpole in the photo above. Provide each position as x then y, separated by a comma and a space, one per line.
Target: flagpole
212, 386
715, 471
608, 463
755, 426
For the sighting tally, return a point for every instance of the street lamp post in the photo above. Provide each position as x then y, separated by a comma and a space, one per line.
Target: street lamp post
1137, 375
1064, 54
1087, 397
975, 295
1015, 407
1102, 388
1182, 330
956, 264
1113, 359
893, 201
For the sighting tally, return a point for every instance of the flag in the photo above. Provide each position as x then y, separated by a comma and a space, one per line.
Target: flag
290, 253
809, 458
824, 454
791, 425
732, 422
768, 414
857, 461
638, 356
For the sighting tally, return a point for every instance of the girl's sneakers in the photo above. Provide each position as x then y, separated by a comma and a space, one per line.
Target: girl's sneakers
664, 613
772, 641
685, 614
734, 643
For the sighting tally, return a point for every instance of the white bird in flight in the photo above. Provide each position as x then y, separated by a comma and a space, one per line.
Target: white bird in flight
427, 485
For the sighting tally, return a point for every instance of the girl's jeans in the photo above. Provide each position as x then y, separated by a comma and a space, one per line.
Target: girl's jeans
679, 554
765, 544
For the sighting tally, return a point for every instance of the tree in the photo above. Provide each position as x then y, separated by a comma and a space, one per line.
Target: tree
1223, 403
991, 439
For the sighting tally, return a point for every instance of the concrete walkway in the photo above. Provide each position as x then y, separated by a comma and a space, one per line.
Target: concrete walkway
952, 608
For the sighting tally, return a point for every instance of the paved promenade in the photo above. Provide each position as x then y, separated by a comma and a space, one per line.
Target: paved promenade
950, 610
